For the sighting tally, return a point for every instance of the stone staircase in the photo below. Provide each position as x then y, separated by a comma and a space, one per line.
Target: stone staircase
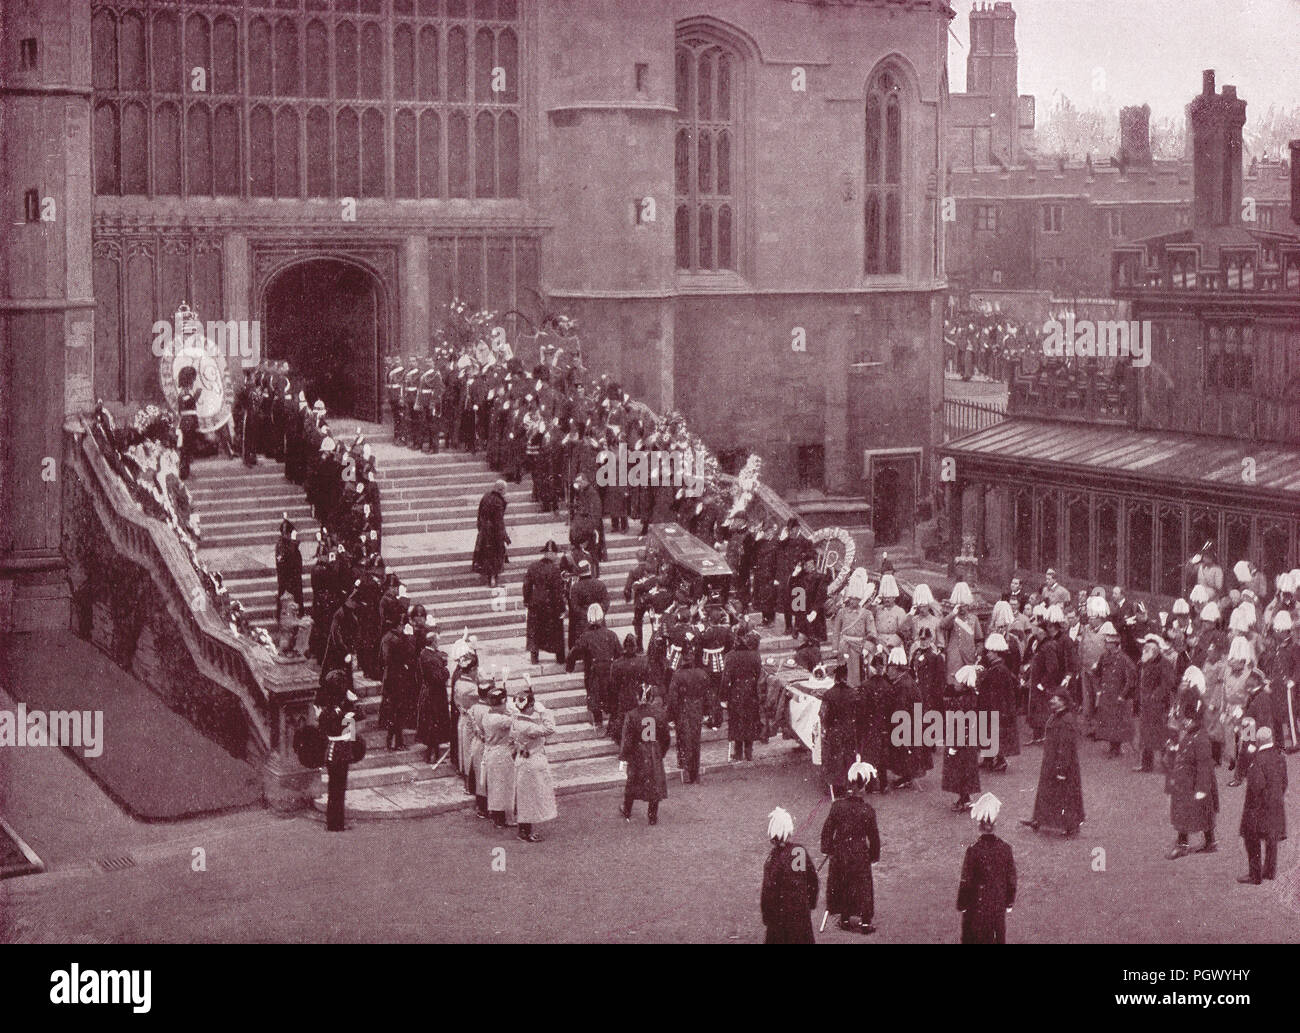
429, 506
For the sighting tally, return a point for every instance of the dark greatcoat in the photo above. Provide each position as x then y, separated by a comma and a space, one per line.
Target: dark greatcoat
397, 653
597, 649
288, 570
998, 689
433, 714
626, 676
852, 841
490, 546
1116, 685
961, 771
1157, 684
342, 640
688, 695
544, 598
645, 740
988, 888
764, 593
907, 760
582, 593
1263, 814
1059, 803
790, 888
1192, 772
839, 718
1046, 668
875, 707
741, 670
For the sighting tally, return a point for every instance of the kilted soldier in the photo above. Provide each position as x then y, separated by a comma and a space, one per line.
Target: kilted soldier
742, 670
1263, 814
1059, 803
397, 652
645, 740
716, 642
961, 772
1116, 692
852, 842
498, 777
688, 694
430, 404
288, 564
1192, 788
1157, 685
544, 600
411, 401
790, 884
597, 649
998, 691
988, 879
433, 715
394, 379
534, 790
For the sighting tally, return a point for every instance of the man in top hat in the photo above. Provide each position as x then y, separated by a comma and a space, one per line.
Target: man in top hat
490, 546
1263, 814
1116, 691
1059, 802
1157, 684
544, 600
988, 879
851, 840
790, 884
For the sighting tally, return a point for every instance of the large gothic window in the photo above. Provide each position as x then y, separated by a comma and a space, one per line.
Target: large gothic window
307, 98
707, 150
883, 215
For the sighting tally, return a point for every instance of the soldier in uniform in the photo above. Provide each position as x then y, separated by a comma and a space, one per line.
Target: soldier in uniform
534, 789
688, 694
790, 885
394, 379
582, 593
1191, 785
987, 891
645, 739
430, 406
411, 402
716, 642
187, 405
598, 648
498, 777
337, 722
851, 840
1117, 682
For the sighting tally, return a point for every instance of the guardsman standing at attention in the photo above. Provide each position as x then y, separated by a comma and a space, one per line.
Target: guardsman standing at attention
790, 884
430, 404
411, 401
852, 842
988, 879
393, 381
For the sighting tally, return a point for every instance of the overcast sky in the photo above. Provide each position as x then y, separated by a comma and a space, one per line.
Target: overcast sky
1151, 51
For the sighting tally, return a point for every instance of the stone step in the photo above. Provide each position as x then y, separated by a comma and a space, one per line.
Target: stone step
258, 520
222, 538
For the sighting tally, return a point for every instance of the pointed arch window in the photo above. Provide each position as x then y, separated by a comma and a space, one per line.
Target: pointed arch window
883, 196
709, 75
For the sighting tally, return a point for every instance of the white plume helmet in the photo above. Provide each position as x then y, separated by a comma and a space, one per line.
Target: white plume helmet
1210, 611
1055, 614
1241, 649
1195, 677
1282, 620
1003, 615
1243, 617
985, 809
859, 584
922, 596
961, 595
996, 643
1107, 630
898, 656
861, 771
1180, 608
1200, 595
966, 675
1097, 606
595, 614
780, 826
1040, 611
1241, 569
888, 587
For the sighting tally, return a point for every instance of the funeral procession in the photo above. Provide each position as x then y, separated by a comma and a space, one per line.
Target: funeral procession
691, 472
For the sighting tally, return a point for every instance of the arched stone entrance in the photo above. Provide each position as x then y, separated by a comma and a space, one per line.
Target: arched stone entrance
328, 318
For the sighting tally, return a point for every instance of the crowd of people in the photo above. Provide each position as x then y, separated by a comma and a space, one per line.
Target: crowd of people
987, 345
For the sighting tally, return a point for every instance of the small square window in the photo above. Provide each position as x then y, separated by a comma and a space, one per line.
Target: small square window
1053, 218
27, 54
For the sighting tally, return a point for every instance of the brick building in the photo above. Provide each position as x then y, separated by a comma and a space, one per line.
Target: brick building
1116, 473
500, 151
1030, 228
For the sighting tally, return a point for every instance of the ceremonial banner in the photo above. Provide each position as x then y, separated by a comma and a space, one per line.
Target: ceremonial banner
806, 720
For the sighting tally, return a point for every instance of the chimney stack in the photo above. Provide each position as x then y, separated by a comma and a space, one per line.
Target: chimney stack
1135, 137
1216, 121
